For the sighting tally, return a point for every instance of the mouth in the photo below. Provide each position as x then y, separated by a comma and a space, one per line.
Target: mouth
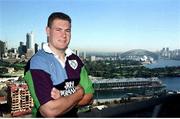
62, 41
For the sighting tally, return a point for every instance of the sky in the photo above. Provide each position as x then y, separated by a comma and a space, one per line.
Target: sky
97, 25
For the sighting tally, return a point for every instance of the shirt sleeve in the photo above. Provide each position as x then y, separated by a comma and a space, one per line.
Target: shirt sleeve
85, 82
41, 63
40, 86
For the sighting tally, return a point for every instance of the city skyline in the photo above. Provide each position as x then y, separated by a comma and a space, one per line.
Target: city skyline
114, 25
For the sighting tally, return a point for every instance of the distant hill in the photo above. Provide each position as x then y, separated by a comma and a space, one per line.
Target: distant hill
139, 52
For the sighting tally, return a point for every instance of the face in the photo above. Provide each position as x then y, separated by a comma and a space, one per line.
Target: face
59, 34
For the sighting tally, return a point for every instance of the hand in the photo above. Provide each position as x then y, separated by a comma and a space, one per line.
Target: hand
55, 93
80, 90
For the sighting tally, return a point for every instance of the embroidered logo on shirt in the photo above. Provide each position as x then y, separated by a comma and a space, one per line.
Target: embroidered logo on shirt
73, 63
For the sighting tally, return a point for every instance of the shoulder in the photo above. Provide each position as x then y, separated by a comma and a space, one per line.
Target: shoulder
40, 59
41, 55
74, 57
71, 56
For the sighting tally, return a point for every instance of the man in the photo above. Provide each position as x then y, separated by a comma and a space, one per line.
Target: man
56, 67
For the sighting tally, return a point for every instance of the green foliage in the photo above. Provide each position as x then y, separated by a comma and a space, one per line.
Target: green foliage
127, 68
16, 65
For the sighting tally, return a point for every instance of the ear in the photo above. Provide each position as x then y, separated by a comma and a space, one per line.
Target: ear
47, 31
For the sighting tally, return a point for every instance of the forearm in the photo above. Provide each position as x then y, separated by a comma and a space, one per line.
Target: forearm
61, 105
87, 99
64, 104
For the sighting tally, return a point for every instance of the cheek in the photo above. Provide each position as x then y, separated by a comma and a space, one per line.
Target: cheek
56, 35
51, 34
69, 36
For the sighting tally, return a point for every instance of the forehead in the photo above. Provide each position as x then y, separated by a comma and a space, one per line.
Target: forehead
61, 23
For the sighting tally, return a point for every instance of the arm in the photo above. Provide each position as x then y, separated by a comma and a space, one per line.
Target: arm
61, 105
40, 86
86, 99
86, 83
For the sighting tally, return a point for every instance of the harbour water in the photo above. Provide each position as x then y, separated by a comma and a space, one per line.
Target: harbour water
163, 63
172, 83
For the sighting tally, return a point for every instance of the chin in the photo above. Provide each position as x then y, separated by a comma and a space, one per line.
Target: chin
63, 48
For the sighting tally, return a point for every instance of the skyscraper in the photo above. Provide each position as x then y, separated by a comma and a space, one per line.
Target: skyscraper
3, 48
30, 45
30, 40
84, 55
22, 49
36, 46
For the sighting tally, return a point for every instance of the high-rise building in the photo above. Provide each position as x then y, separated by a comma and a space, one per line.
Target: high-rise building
36, 46
84, 55
30, 44
165, 53
2, 48
30, 40
76, 52
22, 49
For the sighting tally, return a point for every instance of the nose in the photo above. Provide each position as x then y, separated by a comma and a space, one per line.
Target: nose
63, 34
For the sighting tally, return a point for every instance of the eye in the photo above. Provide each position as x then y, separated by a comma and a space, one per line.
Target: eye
68, 30
58, 29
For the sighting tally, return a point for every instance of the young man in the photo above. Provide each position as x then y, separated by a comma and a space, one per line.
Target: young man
56, 67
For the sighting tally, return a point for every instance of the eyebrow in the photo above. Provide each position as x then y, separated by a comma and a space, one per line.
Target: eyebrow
58, 28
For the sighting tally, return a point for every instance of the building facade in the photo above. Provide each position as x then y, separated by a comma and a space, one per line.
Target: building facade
19, 99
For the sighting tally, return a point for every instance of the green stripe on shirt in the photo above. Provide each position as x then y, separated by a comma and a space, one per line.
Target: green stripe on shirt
29, 81
85, 82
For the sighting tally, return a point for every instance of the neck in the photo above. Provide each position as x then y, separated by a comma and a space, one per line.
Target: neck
59, 52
